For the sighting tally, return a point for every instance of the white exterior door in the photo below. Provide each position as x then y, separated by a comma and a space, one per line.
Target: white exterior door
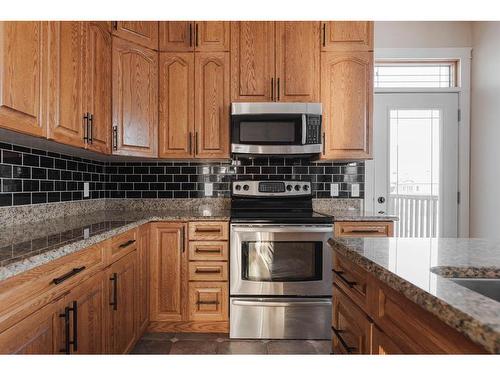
414, 172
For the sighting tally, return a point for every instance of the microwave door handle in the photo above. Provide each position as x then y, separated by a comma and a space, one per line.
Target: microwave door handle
304, 128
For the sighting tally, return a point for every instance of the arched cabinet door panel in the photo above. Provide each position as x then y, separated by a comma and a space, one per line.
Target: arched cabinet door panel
144, 33
347, 36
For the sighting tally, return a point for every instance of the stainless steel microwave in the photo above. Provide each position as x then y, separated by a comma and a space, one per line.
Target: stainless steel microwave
276, 128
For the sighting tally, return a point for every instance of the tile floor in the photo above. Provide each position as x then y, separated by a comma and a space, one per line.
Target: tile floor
212, 343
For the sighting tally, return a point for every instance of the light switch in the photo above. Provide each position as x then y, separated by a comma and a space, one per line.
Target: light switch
355, 190
86, 192
334, 190
209, 189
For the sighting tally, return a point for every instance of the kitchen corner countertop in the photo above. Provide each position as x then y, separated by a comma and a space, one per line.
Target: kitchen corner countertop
355, 215
26, 246
418, 268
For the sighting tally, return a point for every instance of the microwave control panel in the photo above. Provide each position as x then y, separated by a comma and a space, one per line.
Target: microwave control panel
313, 129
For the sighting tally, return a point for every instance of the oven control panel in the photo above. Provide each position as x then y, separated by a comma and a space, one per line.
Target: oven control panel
271, 188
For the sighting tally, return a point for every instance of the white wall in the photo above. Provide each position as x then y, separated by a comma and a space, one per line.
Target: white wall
485, 131
422, 34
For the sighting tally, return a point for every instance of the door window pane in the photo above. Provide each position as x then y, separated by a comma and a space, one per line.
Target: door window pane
412, 75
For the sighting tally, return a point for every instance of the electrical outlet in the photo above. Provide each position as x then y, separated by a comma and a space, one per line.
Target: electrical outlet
86, 192
334, 190
355, 190
86, 233
209, 189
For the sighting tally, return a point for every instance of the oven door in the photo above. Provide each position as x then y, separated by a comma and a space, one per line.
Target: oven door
286, 260
270, 134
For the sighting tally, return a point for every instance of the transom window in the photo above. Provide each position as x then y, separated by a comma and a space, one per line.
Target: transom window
415, 74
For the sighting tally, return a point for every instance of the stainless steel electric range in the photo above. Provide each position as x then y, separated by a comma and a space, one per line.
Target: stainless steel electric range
280, 275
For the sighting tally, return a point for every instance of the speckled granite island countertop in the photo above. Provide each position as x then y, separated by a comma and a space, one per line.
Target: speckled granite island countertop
419, 268
25, 246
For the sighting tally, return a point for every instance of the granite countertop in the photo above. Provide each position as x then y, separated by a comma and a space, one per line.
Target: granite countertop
23, 247
418, 268
355, 215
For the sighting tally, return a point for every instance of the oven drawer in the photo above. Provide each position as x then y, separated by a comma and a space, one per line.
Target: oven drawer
280, 318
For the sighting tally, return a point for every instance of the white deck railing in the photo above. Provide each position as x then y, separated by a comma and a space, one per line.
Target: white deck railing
418, 215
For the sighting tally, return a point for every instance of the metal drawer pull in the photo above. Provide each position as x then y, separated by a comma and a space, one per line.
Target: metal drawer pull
212, 270
337, 333
75, 326
207, 302
125, 244
366, 229
280, 304
114, 302
198, 250
73, 272
208, 230
340, 274
67, 343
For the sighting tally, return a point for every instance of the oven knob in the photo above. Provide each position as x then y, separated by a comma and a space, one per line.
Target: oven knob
297, 187
246, 187
237, 187
305, 187
289, 187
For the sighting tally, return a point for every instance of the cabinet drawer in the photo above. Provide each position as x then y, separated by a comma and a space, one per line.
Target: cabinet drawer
351, 279
364, 229
208, 301
122, 244
208, 250
207, 271
352, 330
30, 290
208, 230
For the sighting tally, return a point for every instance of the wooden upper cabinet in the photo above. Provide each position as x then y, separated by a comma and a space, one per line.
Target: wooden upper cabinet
168, 261
212, 105
297, 61
347, 97
98, 85
347, 36
21, 46
252, 61
144, 33
184, 36
135, 99
176, 105
212, 36
64, 88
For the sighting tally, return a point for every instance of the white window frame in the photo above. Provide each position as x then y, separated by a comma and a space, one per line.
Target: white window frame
463, 56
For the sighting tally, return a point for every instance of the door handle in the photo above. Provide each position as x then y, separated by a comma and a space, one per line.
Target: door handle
324, 34
340, 275
182, 239
272, 89
65, 315
381, 200
337, 333
324, 143
114, 301
115, 137
190, 143
86, 127
74, 309
196, 143
91, 128
286, 303
190, 34
278, 90
196, 34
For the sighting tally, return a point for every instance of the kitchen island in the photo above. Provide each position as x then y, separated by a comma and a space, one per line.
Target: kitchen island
407, 291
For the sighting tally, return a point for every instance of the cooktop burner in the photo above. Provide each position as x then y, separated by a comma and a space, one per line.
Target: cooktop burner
274, 202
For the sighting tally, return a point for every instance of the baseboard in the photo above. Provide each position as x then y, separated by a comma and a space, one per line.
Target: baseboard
189, 326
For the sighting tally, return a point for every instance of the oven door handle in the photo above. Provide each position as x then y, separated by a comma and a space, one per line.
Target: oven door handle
280, 303
304, 128
277, 228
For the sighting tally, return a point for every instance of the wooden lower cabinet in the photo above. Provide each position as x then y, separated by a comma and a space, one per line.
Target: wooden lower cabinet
364, 229
121, 290
383, 344
352, 329
33, 335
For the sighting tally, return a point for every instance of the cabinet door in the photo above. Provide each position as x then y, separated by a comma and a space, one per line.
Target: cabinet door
33, 335
347, 36
208, 301
297, 61
347, 97
142, 290
21, 46
64, 89
122, 277
86, 318
176, 36
168, 264
352, 331
98, 85
252, 61
135, 99
212, 104
382, 344
212, 36
176, 103
144, 33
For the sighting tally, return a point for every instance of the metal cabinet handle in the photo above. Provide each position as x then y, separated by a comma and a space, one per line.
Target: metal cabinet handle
86, 127
324, 143
114, 301
75, 325
207, 302
66, 276
337, 333
207, 230
115, 137
125, 244
207, 270
278, 90
196, 143
91, 128
67, 343
190, 143
196, 35
324, 35
115, 25
272, 89
285, 303
190, 34
182, 239
340, 274
198, 250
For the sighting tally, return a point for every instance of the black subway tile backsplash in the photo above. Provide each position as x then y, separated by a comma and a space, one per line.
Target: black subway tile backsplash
31, 176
